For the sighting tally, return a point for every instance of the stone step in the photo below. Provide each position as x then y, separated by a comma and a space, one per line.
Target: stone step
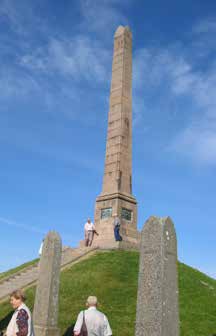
28, 276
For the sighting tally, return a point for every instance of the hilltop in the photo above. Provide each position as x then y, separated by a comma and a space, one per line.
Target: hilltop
112, 276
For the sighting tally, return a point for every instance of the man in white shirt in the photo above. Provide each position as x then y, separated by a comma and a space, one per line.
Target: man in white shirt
96, 322
89, 232
21, 321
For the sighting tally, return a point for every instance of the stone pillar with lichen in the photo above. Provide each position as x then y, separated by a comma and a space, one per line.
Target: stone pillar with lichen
45, 315
157, 299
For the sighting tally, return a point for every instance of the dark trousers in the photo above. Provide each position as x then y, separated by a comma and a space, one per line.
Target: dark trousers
117, 234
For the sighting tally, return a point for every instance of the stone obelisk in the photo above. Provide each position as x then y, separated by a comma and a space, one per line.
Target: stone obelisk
45, 314
157, 299
116, 198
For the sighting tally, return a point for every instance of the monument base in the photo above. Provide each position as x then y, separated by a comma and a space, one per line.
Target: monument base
46, 331
112, 245
107, 207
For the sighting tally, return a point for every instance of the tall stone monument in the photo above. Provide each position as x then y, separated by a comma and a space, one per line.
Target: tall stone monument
45, 314
116, 198
157, 300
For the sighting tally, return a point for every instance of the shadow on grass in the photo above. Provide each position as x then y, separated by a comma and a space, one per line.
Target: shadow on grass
4, 322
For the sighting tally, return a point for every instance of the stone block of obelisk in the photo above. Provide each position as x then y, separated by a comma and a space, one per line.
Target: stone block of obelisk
45, 314
116, 198
157, 300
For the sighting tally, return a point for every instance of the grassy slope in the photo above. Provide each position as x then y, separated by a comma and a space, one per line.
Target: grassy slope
17, 269
112, 276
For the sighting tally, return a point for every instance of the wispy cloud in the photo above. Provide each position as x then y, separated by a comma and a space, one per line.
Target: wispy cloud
173, 73
15, 84
66, 236
80, 58
48, 66
54, 64
21, 16
25, 227
100, 15
197, 142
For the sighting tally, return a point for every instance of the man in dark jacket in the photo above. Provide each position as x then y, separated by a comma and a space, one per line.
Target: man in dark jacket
116, 225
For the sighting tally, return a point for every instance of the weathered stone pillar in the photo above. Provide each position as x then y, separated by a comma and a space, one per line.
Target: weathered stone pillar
157, 302
45, 314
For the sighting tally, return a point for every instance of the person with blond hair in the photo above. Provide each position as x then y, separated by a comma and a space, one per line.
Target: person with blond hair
96, 322
21, 321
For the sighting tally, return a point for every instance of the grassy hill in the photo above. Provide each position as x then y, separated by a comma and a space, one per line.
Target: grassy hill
17, 269
112, 276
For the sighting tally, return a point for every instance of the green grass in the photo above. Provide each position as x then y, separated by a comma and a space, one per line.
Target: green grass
17, 269
112, 276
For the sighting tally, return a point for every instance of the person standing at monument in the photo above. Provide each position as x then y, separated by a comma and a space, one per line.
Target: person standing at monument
21, 321
116, 226
89, 232
96, 322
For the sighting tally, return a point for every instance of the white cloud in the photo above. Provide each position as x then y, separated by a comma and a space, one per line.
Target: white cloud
14, 84
25, 227
198, 141
100, 15
171, 73
66, 236
80, 58
155, 67
21, 16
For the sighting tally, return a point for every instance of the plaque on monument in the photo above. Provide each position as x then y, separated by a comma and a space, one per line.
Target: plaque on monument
126, 214
105, 213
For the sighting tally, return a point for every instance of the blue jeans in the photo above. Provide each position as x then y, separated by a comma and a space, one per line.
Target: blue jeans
117, 234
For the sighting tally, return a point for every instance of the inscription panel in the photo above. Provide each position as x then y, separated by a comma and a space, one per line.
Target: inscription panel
106, 213
126, 214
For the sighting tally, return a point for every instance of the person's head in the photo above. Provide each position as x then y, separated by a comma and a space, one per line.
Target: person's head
92, 301
89, 220
17, 297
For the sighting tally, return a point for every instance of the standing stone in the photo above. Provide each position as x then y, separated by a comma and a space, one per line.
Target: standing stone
45, 314
157, 303
116, 198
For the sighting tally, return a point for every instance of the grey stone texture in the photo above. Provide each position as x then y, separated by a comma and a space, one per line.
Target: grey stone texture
117, 180
157, 300
45, 314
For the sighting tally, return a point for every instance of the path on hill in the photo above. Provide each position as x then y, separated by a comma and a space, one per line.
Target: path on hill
29, 275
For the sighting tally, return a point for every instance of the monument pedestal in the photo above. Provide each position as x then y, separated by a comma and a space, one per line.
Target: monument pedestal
107, 207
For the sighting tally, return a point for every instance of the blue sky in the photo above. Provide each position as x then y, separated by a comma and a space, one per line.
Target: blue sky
54, 89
